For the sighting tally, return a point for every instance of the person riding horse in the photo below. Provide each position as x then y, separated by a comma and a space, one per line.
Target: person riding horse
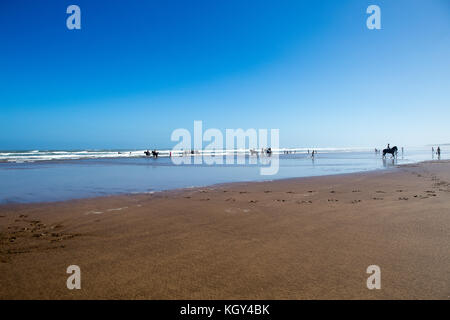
393, 151
154, 153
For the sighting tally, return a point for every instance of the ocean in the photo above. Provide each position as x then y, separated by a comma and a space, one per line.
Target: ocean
42, 176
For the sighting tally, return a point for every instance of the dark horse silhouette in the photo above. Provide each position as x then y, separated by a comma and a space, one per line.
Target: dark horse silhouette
154, 153
392, 151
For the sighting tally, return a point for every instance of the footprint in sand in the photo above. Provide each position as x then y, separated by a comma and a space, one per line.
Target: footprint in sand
94, 212
230, 199
253, 201
243, 192
234, 210
356, 201
289, 192
38, 235
402, 198
117, 209
280, 200
33, 222
267, 191
304, 202
356, 190
399, 190
379, 191
377, 198
333, 200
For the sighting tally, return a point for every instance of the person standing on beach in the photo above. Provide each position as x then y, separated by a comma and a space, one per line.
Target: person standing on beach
439, 152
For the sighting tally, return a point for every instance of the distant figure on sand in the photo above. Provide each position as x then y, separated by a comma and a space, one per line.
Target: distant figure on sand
438, 152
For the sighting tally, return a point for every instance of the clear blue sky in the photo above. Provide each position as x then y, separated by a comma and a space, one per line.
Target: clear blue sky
137, 70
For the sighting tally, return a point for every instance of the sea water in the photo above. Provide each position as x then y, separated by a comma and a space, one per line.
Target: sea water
41, 176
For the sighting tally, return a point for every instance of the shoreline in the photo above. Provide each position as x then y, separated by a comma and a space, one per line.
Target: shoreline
125, 194
294, 238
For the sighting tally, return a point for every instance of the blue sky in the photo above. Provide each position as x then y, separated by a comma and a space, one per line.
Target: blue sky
137, 70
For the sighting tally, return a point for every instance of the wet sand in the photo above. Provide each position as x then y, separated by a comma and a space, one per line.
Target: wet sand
307, 238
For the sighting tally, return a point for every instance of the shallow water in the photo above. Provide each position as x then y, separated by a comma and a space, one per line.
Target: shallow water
70, 179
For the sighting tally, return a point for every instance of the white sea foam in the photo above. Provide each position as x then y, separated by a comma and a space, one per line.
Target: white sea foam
36, 155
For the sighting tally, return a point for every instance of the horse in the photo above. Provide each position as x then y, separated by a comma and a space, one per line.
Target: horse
392, 151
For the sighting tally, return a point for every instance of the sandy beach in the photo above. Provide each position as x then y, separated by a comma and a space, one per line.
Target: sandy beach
306, 238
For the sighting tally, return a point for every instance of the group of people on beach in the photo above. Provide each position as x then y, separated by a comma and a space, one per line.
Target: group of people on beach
264, 151
268, 151
377, 151
438, 151
433, 151
154, 153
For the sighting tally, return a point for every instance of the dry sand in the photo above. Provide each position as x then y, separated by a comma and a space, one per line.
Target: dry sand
309, 238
